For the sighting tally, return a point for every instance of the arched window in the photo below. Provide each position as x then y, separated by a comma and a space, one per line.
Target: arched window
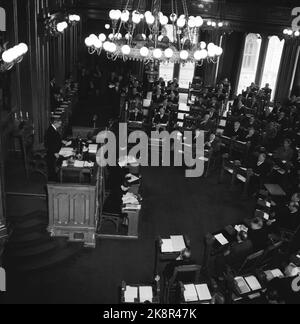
2, 19
250, 61
272, 63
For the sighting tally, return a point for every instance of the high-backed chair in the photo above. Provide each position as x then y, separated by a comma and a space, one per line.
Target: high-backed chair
184, 274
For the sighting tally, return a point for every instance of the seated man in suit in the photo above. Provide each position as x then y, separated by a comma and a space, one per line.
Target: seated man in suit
236, 133
136, 115
206, 124
258, 234
161, 119
288, 217
185, 258
260, 169
213, 143
53, 144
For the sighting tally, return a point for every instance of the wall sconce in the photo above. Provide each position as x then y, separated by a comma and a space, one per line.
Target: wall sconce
56, 24
12, 56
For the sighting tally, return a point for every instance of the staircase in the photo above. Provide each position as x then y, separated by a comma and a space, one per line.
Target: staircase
30, 247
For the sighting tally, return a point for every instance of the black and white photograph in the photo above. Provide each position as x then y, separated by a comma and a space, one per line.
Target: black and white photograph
149, 155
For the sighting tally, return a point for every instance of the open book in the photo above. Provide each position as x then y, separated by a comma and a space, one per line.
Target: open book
173, 245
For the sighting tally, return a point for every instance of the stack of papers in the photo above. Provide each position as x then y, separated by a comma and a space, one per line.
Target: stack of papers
241, 228
146, 294
79, 164
272, 274
93, 148
89, 164
203, 292
127, 160
253, 283
66, 152
190, 293
130, 198
132, 178
221, 239
242, 286
173, 245
131, 294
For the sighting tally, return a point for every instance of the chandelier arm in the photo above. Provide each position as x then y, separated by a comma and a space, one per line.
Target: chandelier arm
121, 23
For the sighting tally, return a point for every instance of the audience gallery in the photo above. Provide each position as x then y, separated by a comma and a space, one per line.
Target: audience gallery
183, 147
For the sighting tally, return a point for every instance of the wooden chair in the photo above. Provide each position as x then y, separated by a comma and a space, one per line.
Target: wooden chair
193, 271
228, 166
116, 219
251, 263
244, 176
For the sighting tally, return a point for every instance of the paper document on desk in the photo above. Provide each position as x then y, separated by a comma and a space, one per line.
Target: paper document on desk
178, 243
253, 283
146, 294
221, 239
167, 246
89, 164
132, 178
131, 294
203, 292
93, 148
79, 164
272, 274
242, 285
66, 152
190, 293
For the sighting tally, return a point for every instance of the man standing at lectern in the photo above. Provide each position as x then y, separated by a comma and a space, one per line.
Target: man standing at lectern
53, 144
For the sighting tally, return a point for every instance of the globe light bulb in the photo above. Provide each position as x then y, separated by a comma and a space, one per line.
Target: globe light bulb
127, 36
111, 36
112, 47
220, 24
164, 20
112, 14
202, 45
210, 46
218, 51
7, 57
107, 26
285, 31
204, 54
144, 51
126, 49
214, 24
102, 37
199, 21
23, 48
106, 46
181, 22
157, 53
118, 14
184, 55
144, 36
98, 44
169, 53
125, 16
297, 33
192, 22
136, 19
150, 20
173, 17
197, 56
209, 23
89, 42
147, 14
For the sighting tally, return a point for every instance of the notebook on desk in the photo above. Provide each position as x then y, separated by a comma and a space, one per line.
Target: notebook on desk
190, 293
131, 294
93, 148
175, 244
146, 294
275, 190
203, 292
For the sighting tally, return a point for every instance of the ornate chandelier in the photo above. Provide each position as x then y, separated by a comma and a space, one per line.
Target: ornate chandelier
179, 44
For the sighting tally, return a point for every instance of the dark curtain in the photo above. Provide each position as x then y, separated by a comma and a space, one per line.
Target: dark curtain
290, 57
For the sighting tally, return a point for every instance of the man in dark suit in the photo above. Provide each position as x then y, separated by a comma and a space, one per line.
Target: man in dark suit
235, 132
136, 115
184, 259
53, 144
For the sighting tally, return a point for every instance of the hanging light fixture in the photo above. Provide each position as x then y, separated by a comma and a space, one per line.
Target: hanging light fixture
155, 45
10, 57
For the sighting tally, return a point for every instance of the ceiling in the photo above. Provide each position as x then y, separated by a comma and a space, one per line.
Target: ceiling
253, 15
